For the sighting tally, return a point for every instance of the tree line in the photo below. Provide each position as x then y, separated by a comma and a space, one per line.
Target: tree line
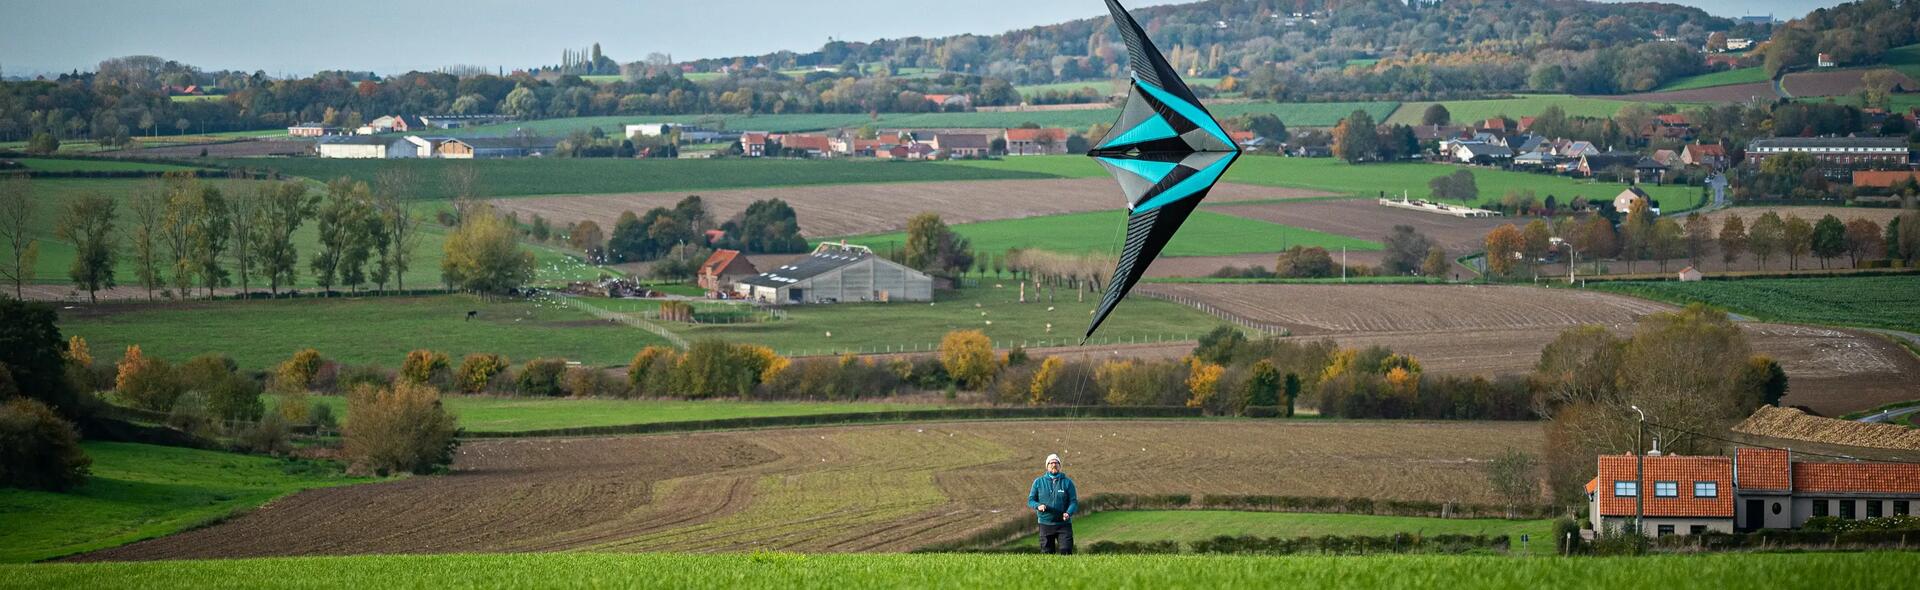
1517, 250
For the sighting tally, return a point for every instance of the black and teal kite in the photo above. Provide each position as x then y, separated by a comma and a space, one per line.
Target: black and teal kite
1165, 150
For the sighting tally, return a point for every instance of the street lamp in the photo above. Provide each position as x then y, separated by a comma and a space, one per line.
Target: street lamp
1639, 476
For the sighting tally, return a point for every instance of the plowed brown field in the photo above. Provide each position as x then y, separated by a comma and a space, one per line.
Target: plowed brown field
840, 210
1367, 219
867, 488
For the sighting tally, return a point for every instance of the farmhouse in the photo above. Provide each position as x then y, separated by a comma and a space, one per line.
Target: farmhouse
753, 144
719, 272
1711, 155
1593, 163
962, 145
836, 273
392, 124
805, 146
1837, 156
1752, 490
1689, 274
1623, 202
1036, 142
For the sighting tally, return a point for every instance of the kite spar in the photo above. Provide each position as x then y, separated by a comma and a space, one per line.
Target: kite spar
1165, 150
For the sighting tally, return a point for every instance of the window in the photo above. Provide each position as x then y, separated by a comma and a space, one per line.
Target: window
1624, 489
1846, 509
1873, 509
1776, 507
1665, 530
1666, 489
1900, 507
1819, 507
1706, 489
1698, 529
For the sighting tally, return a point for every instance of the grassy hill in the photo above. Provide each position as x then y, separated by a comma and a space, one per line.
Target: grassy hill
1205, 234
143, 491
1789, 571
1721, 78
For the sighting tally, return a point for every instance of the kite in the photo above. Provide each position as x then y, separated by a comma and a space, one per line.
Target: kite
1165, 150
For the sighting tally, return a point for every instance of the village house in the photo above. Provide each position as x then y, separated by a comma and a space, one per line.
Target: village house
1623, 202
1710, 155
799, 145
1036, 142
837, 272
1593, 163
1752, 490
753, 144
1837, 156
1671, 126
855, 147
962, 145
313, 130
722, 269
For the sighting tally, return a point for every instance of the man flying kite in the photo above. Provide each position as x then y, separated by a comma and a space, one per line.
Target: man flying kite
1165, 150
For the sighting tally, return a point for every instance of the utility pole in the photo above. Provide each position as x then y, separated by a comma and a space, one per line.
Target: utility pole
1639, 476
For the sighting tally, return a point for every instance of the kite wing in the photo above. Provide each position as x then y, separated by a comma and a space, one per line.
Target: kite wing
1165, 150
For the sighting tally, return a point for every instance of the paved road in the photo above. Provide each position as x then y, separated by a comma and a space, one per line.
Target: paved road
1893, 416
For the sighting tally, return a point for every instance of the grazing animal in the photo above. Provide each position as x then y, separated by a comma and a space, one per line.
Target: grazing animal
471, 313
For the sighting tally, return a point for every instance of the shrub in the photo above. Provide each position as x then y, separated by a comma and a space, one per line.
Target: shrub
321, 415
541, 377
350, 377
268, 436
227, 394
1015, 383
1142, 383
400, 428
146, 382
190, 415
968, 357
298, 371
592, 382
8, 389
477, 371
295, 406
713, 368
39, 450
426, 366
1016, 357
652, 371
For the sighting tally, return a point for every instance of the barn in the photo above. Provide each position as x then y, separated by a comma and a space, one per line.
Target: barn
836, 273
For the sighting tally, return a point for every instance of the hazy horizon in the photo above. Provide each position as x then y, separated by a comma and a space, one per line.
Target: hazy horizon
285, 39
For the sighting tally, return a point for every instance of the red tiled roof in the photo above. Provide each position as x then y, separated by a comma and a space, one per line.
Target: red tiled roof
806, 142
718, 261
1240, 136
1762, 469
753, 137
1701, 150
1672, 119
1858, 478
1682, 470
1047, 134
1882, 178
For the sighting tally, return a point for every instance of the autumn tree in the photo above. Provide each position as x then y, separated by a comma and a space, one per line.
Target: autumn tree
87, 224
1514, 476
1436, 114
1767, 237
1596, 239
398, 428
395, 189
1863, 240
483, 254
1203, 379
1406, 248
934, 248
586, 237
1669, 241
1436, 262
1733, 240
968, 357
148, 208
1636, 233
212, 229
1504, 249
1536, 238
16, 230
1355, 138
1699, 239
1796, 239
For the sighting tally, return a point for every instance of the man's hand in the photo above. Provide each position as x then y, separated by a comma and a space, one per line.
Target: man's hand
1066, 516
1043, 507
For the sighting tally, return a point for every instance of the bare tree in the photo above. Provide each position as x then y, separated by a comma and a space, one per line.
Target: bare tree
16, 216
1513, 476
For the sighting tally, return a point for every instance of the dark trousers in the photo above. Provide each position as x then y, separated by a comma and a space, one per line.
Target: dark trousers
1057, 538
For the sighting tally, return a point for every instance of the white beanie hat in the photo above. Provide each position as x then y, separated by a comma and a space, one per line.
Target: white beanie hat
1053, 458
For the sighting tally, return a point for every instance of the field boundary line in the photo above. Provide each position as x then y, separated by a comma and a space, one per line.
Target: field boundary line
627, 319
1209, 309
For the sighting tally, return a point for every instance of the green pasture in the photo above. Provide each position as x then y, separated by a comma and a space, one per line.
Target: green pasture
1467, 112
102, 165
1891, 302
1193, 525
1205, 234
1720, 78
514, 414
1056, 318
1791, 571
551, 176
144, 491
1104, 87
378, 330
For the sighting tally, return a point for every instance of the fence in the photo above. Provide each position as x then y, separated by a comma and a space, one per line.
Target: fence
628, 319
1209, 309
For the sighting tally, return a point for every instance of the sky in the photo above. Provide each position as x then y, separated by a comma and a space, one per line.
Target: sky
299, 38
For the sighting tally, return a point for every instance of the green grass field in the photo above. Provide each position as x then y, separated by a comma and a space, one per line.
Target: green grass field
56, 255
1194, 525
890, 327
1721, 78
1472, 111
59, 165
558, 176
1891, 302
1364, 180
1104, 87
785, 571
144, 491
1208, 234
514, 414
1906, 59
1294, 114
380, 330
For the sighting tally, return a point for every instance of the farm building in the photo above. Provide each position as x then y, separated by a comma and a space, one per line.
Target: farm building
722, 269
1690, 274
836, 273
313, 130
458, 121
1711, 155
1754, 489
753, 144
1837, 156
359, 146
470, 148
962, 145
1036, 142
392, 124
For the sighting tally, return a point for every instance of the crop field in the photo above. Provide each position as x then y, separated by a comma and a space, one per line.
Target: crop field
63, 165
1723, 78
1891, 302
144, 491
1314, 114
862, 209
1760, 91
56, 255
1789, 571
1473, 111
1194, 525
562, 176
1829, 82
993, 308
1496, 330
381, 330
812, 489
1206, 233
240, 145
519, 414
1368, 220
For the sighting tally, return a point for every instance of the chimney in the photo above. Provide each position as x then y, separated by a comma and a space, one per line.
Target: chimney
1656, 448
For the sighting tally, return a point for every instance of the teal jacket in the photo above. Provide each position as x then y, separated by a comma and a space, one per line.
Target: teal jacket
1056, 491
